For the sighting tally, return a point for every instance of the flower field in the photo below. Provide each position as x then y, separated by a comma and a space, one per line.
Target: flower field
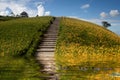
18, 40
86, 51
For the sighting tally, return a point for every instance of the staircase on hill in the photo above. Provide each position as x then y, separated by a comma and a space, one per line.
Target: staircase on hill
46, 50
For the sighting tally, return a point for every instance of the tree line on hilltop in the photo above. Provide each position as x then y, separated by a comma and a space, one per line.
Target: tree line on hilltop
22, 14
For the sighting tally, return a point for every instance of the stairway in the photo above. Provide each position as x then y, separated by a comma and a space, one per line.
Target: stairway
46, 50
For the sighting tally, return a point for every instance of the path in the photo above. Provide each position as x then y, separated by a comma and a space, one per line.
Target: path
45, 52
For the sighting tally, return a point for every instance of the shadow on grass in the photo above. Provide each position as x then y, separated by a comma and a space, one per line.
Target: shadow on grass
19, 69
88, 70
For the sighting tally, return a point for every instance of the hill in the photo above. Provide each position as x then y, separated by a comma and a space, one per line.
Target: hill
86, 33
84, 46
84, 51
18, 41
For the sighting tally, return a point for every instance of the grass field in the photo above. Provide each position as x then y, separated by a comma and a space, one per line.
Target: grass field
86, 51
18, 41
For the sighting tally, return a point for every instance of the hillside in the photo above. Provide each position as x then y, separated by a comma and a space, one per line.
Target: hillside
86, 33
84, 51
84, 46
18, 41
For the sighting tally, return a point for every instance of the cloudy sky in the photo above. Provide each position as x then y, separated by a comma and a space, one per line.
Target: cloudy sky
90, 10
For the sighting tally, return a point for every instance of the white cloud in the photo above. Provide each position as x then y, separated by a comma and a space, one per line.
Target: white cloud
3, 13
103, 15
18, 6
41, 10
85, 6
47, 13
114, 13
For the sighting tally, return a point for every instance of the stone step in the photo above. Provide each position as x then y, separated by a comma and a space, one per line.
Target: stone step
50, 63
49, 69
46, 58
46, 62
54, 43
47, 46
46, 50
54, 29
52, 72
50, 34
45, 40
50, 38
49, 77
44, 53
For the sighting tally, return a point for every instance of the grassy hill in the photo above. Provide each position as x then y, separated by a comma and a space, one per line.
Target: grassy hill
18, 41
83, 47
84, 50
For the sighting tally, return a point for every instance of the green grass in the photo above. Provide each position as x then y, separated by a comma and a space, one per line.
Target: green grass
19, 38
86, 45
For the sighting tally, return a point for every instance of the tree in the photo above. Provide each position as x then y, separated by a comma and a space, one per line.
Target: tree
37, 16
24, 14
106, 24
12, 14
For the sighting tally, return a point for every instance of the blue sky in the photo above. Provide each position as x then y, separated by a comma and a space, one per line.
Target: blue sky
91, 10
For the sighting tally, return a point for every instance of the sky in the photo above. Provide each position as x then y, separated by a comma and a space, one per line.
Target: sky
94, 11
